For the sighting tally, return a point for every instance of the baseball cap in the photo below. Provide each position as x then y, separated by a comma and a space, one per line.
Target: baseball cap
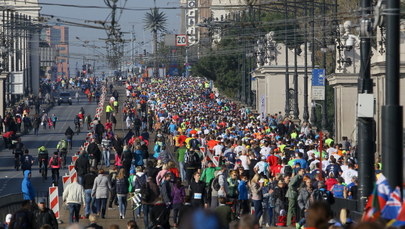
42, 201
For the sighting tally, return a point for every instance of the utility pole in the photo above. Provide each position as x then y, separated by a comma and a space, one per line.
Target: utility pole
366, 134
313, 106
392, 122
324, 105
133, 45
305, 115
287, 76
295, 79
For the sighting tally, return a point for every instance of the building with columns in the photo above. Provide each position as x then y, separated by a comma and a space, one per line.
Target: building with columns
19, 51
345, 79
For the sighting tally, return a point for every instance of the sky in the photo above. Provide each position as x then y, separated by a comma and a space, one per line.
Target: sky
129, 19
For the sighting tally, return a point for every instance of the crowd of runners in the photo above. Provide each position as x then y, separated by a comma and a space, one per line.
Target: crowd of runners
191, 158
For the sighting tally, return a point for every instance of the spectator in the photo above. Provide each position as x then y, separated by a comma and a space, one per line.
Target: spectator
100, 192
45, 215
73, 196
26, 186
24, 217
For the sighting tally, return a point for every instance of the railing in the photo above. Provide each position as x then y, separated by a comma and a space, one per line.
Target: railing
351, 205
10, 204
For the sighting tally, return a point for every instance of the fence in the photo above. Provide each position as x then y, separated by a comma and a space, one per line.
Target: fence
351, 205
10, 204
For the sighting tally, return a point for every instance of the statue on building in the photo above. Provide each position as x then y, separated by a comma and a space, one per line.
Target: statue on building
259, 53
348, 48
271, 52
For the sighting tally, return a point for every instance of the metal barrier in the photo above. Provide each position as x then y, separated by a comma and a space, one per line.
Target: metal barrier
351, 205
10, 204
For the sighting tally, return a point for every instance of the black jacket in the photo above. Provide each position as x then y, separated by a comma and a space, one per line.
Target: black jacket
93, 151
197, 187
99, 129
94, 226
159, 216
69, 132
82, 165
88, 180
46, 217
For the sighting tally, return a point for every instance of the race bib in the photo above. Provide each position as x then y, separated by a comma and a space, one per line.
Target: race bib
197, 196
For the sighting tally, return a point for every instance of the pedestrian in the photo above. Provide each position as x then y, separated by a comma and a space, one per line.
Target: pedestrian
112, 174
93, 223
292, 195
243, 200
45, 215
27, 188
178, 196
106, 145
35, 124
24, 217
121, 188
82, 166
7, 221
224, 213
159, 215
198, 192
54, 119
100, 192
73, 196
88, 182
256, 185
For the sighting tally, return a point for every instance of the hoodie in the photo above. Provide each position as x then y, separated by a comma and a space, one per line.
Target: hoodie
27, 188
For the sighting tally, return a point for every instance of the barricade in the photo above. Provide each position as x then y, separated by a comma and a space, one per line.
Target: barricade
54, 200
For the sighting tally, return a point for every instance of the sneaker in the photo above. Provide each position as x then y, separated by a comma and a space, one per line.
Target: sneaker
120, 216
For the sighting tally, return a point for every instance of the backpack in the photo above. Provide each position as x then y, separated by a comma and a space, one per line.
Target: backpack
288, 170
192, 159
26, 163
215, 183
146, 193
63, 145
140, 181
323, 196
55, 161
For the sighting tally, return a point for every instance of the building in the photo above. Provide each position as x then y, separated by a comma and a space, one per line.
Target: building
19, 51
269, 78
345, 79
58, 38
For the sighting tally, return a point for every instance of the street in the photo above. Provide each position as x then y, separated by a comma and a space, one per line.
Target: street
10, 179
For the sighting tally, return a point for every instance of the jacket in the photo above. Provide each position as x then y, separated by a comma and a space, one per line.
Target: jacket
46, 217
208, 174
197, 188
73, 194
121, 186
94, 151
27, 188
303, 198
224, 214
82, 165
100, 187
256, 191
178, 194
166, 192
88, 180
242, 190
292, 191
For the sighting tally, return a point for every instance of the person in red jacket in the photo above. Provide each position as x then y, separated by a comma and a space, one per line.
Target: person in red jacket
55, 164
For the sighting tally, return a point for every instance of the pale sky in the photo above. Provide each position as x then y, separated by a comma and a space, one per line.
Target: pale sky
128, 19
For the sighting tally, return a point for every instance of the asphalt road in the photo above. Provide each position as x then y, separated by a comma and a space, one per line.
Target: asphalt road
10, 179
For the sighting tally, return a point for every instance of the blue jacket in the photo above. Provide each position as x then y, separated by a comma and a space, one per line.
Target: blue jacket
27, 188
243, 190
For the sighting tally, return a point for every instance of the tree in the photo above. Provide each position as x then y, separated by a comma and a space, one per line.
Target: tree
155, 21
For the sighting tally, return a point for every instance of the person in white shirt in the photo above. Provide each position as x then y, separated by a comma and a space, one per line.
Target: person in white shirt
349, 173
265, 150
218, 149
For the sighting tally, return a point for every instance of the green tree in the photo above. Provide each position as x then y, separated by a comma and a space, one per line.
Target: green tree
155, 21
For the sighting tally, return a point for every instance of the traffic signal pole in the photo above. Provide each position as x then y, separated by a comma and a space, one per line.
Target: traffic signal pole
366, 147
392, 123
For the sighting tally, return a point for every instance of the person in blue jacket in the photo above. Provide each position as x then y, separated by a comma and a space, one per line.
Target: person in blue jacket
26, 186
243, 196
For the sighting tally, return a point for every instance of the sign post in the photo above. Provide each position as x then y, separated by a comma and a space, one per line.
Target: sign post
318, 84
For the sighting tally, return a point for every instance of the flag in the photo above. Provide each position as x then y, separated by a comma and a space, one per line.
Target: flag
400, 220
372, 209
383, 190
393, 205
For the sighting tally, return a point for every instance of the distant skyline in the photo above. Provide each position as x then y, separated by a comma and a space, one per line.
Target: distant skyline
128, 20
